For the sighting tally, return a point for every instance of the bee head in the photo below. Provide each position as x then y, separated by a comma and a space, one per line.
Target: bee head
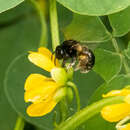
59, 52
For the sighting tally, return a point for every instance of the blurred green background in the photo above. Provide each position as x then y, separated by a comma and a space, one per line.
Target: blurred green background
20, 31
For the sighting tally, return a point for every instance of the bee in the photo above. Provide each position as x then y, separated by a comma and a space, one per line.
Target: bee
73, 50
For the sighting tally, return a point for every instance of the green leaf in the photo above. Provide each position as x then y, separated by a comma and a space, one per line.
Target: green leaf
39, 128
94, 7
86, 28
98, 123
118, 82
107, 64
8, 4
7, 115
86, 86
120, 22
64, 16
15, 14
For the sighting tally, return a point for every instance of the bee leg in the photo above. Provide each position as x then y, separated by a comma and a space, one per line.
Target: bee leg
72, 63
77, 67
63, 63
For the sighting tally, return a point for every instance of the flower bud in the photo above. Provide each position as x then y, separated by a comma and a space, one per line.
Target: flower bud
60, 94
59, 75
69, 94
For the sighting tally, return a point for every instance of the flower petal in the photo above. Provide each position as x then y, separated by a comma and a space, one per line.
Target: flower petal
40, 93
46, 52
127, 99
125, 127
40, 109
34, 80
115, 112
122, 92
42, 61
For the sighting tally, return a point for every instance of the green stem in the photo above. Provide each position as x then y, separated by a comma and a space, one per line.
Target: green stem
19, 124
54, 119
127, 69
43, 38
54, 24
80, 117
55, 43
71, 84
63, 109
115, 44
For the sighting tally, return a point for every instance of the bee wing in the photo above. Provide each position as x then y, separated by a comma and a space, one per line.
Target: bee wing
91, 46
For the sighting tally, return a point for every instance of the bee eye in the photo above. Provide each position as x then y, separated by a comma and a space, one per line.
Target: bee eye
59, 52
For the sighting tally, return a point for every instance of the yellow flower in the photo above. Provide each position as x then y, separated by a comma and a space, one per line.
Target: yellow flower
39, 89
125, 127
117, 112
122, 92
42, 59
